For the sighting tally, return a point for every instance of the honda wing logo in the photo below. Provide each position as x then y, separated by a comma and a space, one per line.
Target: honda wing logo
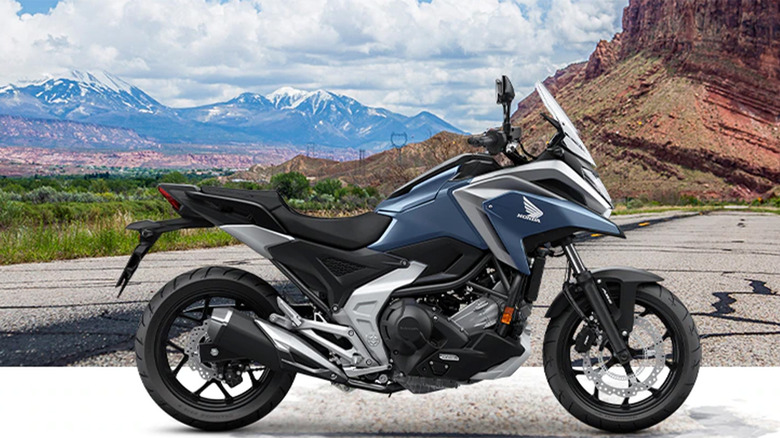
532, 212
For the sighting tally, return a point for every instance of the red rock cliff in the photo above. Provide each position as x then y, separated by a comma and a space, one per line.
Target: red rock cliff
686, 99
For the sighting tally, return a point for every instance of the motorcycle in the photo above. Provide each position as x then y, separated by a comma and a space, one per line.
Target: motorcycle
430, 291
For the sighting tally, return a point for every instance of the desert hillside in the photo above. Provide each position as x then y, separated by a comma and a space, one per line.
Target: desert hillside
386, 170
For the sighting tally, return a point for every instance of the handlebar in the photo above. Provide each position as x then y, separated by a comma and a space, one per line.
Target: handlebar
493, 141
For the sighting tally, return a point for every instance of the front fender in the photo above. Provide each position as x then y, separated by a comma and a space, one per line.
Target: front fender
627, 279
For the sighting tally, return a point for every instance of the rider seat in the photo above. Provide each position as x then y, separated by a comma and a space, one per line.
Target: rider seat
346, 232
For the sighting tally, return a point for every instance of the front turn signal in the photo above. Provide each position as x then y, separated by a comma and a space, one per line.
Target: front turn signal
506, 318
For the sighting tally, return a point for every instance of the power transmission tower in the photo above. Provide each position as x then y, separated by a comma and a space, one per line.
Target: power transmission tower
398, 140
362, 153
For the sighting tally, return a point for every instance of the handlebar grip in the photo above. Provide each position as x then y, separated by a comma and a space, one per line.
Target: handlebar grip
493, 141
482, 140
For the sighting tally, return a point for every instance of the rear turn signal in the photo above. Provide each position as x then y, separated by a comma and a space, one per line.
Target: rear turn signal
174, 203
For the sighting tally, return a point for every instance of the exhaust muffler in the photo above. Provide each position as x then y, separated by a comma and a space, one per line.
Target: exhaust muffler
235, 335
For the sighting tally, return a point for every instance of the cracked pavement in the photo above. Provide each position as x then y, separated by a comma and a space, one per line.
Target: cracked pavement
725, 266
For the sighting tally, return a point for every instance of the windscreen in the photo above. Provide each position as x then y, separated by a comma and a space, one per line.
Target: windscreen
572, 140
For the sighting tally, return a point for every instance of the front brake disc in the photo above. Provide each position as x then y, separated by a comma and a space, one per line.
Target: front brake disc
651, 362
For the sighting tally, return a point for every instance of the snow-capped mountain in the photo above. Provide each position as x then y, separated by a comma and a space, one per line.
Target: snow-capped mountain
287, 116
320, 117
81, 96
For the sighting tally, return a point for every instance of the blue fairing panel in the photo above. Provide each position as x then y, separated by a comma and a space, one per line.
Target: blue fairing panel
517, 215
421, 193
428, 211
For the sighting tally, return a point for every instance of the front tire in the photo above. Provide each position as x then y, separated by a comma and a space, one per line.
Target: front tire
569, 373
177, 311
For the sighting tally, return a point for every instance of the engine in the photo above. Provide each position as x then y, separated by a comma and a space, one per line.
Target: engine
431, 349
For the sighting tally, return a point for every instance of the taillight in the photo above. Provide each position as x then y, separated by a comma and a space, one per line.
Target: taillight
174, 203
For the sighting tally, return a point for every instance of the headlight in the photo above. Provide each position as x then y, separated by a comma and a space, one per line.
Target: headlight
594, 180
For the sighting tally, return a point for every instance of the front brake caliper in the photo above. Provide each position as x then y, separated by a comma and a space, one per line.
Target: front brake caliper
585, 339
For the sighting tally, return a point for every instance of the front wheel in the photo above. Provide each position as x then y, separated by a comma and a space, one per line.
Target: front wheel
592, 385
210, 396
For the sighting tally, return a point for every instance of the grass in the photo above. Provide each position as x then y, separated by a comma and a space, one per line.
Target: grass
58, 218
61, 231
98, 238
621, 210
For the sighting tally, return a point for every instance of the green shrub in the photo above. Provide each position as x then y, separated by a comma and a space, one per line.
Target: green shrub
291, 185
298, 204
634, 203
13, 188
245, 185
210, 182
327, 186
690, 200
174, 177
99, 186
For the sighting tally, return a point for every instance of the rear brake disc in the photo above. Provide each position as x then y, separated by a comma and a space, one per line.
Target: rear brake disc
197, 336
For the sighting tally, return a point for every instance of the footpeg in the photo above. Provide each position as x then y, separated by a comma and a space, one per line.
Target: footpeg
289, 312
281, 321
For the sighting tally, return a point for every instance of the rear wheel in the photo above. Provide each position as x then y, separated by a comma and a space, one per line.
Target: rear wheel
595, 388
205, 395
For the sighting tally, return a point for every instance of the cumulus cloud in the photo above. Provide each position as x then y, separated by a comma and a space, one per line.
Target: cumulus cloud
405, 55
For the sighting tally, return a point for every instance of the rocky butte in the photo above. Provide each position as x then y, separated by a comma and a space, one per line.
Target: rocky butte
685, 101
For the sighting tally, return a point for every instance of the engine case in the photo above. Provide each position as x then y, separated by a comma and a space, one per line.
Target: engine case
426, 343
413, 331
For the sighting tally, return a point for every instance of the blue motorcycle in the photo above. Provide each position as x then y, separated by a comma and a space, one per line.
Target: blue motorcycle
431, 291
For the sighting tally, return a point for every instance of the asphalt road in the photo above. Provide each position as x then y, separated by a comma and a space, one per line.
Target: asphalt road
725, 266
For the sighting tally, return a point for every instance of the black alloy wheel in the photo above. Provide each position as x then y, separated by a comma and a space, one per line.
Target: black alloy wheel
206, 395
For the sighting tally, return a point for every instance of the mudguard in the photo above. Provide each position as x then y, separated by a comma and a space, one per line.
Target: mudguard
628, 279
149, 232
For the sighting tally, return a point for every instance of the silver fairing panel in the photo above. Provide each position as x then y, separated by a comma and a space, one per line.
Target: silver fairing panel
257, 238
361, 312
520, 178
558, 170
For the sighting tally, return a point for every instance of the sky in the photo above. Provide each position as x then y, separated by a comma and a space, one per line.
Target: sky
405, 55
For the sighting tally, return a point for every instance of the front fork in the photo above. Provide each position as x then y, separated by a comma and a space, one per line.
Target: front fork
598, 301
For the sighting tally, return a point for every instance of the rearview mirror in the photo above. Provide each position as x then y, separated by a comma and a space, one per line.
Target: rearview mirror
505, 92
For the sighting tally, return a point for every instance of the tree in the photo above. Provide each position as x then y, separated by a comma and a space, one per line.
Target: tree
99, 186
291, 185
327, 186
174, 177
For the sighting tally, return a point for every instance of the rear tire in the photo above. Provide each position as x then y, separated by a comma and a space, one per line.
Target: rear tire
250, 294
567, 384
